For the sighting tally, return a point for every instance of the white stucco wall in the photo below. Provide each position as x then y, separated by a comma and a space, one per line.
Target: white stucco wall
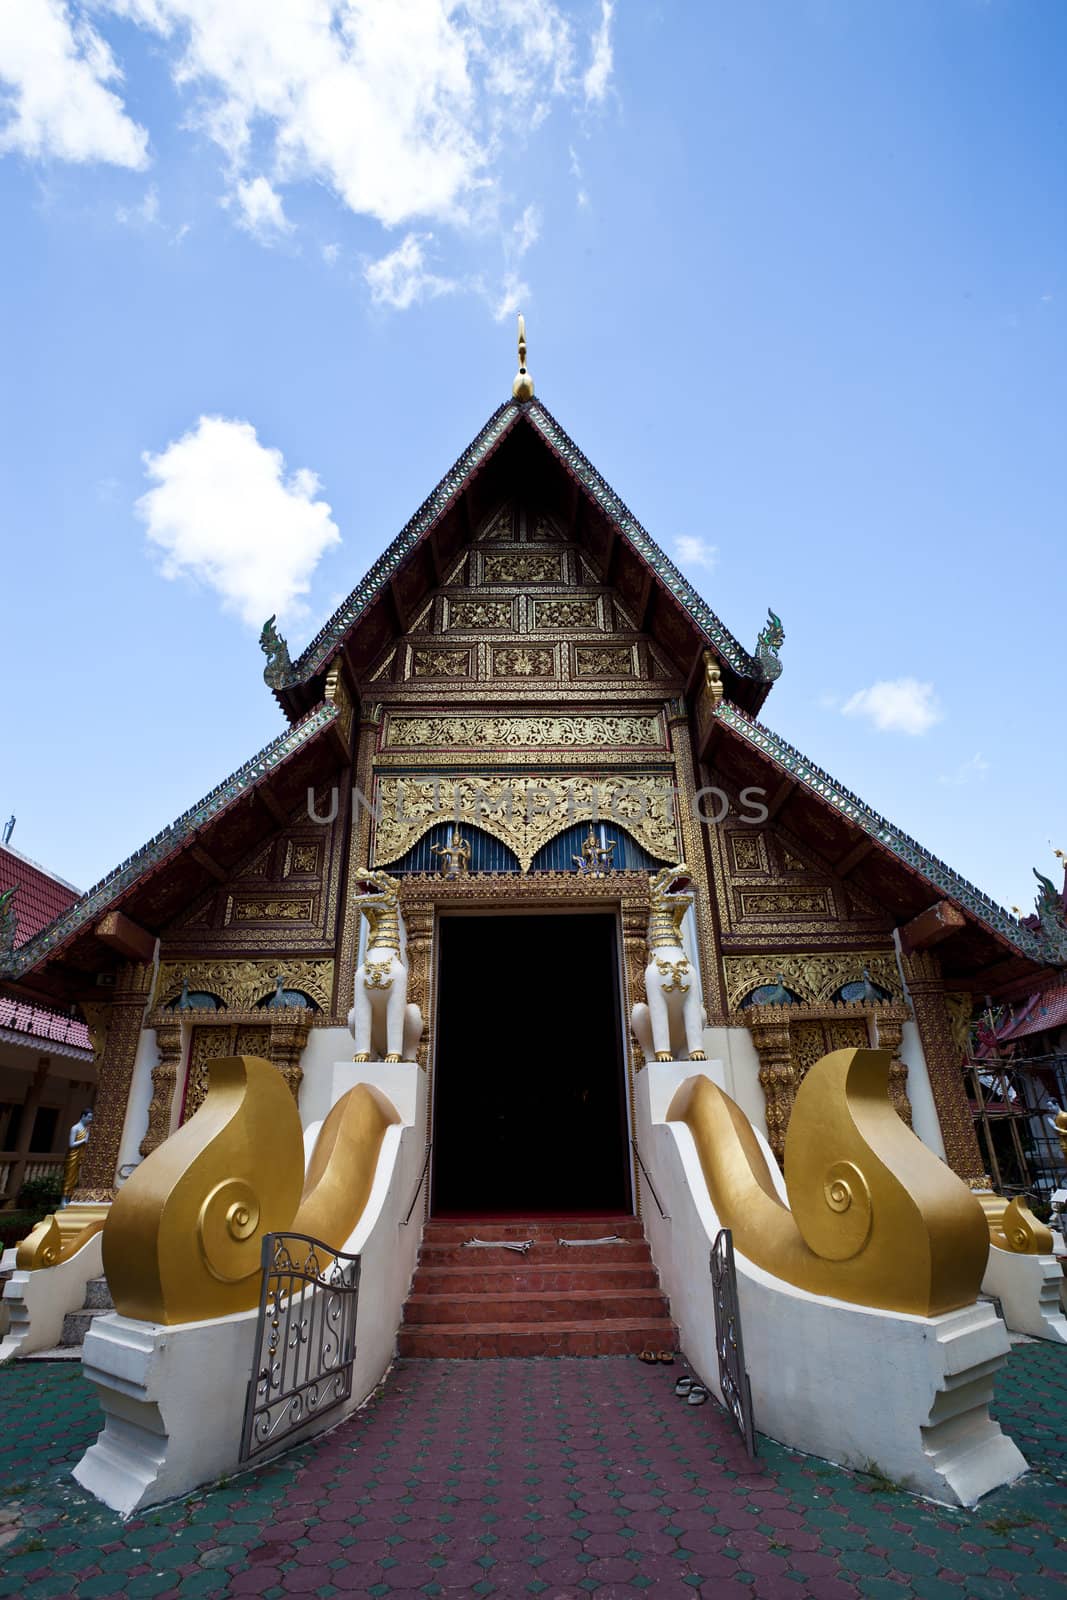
136, 1123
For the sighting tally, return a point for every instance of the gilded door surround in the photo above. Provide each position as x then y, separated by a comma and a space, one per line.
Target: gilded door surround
424, 898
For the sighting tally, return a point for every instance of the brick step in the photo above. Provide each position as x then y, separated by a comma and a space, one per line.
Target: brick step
456, 1231
543, 1253
550, 1277
610, 1336
580, 1305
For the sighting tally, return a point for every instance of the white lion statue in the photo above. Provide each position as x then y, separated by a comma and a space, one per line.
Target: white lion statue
670, 1027
385, 1026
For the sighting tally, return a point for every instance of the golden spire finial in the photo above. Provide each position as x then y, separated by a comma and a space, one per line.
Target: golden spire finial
523, 387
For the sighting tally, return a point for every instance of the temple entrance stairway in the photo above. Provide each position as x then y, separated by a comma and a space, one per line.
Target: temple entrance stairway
475, 1301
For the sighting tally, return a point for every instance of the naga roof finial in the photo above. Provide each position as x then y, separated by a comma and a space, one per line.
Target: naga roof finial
523, 387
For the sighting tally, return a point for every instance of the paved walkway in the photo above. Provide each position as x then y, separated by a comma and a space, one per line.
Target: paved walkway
540, 1477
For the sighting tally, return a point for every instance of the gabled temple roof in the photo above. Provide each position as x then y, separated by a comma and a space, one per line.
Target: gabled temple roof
707, 627
182, 832
858, 816
40, 896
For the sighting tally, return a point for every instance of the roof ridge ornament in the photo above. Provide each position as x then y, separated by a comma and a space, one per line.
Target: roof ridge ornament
523, 387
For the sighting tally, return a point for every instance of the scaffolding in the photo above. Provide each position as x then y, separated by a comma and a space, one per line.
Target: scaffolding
1014, 1103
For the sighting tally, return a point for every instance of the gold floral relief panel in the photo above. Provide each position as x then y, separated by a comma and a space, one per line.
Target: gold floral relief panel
748, 851
625, 730
523, 661
579, 612
240, 985
523, 566
440, 663
604, 661
244, 909
462, 614
525, 815
765, 903
815, 977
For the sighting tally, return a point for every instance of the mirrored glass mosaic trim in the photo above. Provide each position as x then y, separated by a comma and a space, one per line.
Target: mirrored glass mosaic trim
100, 896
903, 847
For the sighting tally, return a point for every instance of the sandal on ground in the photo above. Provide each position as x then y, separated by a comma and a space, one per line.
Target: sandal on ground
648, 1355
683, 1386
666, 1356
697, 1395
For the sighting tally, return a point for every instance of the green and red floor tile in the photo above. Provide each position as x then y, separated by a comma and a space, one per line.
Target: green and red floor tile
548, 1477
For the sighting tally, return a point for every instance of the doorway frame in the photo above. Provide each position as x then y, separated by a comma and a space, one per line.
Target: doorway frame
425, 900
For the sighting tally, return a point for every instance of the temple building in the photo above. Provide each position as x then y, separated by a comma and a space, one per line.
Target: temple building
47, 1070
522, 713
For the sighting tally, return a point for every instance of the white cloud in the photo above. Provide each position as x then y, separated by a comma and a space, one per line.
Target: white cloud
582, 194
261, 211
400, 109
330, 254
225, 513
513, 292
598, 73
143, 215
54, 72
401, 278
899, 705
967, 771
694, 552
526, 232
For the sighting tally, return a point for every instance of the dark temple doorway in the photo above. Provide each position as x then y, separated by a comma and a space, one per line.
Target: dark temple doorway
529, 1087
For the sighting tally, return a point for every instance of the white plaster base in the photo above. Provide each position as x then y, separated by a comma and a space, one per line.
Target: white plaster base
38, 1301
1028, 1288
852, 1384
173, 1397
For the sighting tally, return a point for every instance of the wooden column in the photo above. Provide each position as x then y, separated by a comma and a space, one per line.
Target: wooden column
694, 846
922, 974
101, 1158
164, 1079
889, 1029
288, 1036
769, 1027
359, 841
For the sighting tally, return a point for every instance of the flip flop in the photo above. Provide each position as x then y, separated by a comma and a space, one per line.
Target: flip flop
648, 1355
697, 1395
666, 1356
683, 1386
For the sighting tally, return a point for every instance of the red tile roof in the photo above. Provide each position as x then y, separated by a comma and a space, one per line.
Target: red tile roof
42, 1024
41, 897
1041, 1013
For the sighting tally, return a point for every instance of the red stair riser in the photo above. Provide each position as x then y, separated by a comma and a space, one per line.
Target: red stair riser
555, 1300
592, 1306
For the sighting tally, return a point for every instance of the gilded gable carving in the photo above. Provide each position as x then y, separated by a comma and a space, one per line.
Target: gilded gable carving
501, 526
577, 613
544, 531
522, 661
523, 566
412, 732
785, 902
242, 984
441, 663
603, 661
245, 909
815, 978
748, 851
523, 814
479, 614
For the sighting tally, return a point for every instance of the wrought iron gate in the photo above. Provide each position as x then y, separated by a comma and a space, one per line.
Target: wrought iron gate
305, 1338
733, 1379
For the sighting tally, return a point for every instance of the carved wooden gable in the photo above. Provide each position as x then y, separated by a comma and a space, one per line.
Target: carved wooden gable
283, 896
525, 607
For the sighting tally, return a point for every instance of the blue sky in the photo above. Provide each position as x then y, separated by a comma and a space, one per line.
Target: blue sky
794, 278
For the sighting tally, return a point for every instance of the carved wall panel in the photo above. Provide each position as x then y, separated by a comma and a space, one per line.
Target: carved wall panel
567, 613
241, 984
441, 664
525, 815
524, 566
605, 661
627, 730
523, 661
814, 976
469, 614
